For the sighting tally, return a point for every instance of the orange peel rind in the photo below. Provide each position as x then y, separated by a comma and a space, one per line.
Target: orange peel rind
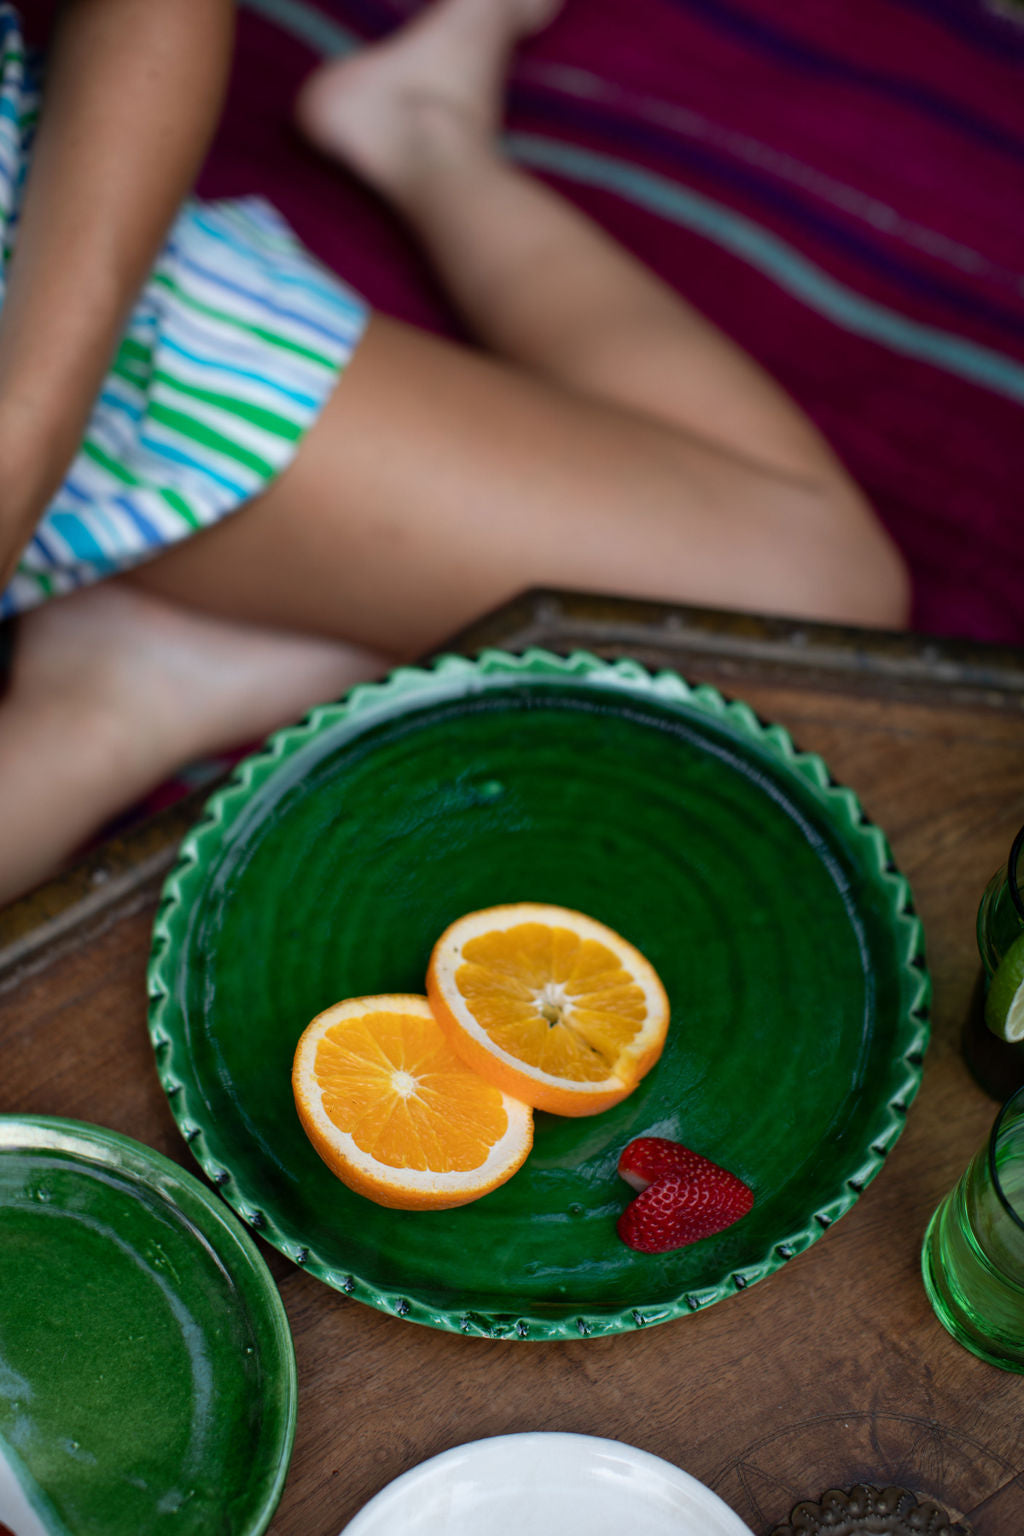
549, 1005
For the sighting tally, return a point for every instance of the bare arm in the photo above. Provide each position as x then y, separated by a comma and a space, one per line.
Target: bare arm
133, 92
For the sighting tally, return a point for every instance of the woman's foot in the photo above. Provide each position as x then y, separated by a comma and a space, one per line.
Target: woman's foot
436, 84
172, 683
111, 690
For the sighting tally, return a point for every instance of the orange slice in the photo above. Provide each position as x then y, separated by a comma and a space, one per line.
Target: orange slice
396, 1114
548, 1005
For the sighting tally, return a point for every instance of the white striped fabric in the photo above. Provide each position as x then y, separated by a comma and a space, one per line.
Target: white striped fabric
231, 352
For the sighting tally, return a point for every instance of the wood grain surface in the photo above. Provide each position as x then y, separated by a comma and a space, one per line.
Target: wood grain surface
832, 1371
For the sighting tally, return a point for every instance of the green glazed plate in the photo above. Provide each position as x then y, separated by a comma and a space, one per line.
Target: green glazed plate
768, 903
147, 1376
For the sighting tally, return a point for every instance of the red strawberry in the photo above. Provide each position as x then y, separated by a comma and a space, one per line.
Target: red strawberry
650, 1158
683, 1197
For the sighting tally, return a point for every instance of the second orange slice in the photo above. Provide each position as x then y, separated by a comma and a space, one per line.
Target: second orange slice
549, 1005
396, 1114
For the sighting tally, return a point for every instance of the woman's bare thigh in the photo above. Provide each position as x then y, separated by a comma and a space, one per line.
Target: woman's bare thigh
439, 482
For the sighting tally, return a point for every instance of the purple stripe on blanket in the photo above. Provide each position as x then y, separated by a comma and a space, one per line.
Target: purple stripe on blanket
799, 56
758, 188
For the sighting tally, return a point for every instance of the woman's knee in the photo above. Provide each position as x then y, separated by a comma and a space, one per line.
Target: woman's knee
861, 576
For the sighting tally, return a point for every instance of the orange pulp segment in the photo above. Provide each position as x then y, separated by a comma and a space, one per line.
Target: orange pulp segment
549, 1005
396, 1114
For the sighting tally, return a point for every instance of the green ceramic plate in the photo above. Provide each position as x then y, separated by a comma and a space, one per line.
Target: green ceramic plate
147, 1376
768, 903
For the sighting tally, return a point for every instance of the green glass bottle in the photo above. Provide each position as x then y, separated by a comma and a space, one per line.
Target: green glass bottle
997, 1065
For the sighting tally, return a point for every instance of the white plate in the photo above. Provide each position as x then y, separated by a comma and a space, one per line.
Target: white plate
546, 1485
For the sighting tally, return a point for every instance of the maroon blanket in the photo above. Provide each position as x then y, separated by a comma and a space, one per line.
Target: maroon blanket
837, 183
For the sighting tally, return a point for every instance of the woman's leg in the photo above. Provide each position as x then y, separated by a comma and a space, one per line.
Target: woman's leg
540, 284
628, 447
623, 445
439, 482
112, 690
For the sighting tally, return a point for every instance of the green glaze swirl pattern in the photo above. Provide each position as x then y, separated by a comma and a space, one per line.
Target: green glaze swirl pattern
765, 898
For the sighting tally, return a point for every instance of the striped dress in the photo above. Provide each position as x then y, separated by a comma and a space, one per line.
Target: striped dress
230, 353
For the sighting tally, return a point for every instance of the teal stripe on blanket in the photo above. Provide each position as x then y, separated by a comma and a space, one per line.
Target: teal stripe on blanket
731, 231
303, 21
776, 259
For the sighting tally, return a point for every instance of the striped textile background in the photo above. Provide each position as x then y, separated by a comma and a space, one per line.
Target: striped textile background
837, 183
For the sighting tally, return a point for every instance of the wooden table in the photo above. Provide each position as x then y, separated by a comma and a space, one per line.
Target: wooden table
832, 1371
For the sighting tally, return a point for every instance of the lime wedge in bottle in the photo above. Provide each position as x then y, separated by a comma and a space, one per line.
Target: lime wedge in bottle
1004, 1005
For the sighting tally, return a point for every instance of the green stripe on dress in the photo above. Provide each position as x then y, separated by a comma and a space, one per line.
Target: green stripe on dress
101, 457
135, 351
133, 362
177, 503
138, 379
199, 432
271, 337
257, 415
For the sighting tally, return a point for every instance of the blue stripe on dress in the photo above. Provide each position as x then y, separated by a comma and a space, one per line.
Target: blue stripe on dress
188, 461
233, 371
153, 536
44, 546
296, 374
72, 489
80, 538
134, 410
226, 285
323, 292
8, 163
104, 526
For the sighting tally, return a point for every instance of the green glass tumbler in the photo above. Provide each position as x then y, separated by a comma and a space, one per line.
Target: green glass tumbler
973, 1254
996, 1064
